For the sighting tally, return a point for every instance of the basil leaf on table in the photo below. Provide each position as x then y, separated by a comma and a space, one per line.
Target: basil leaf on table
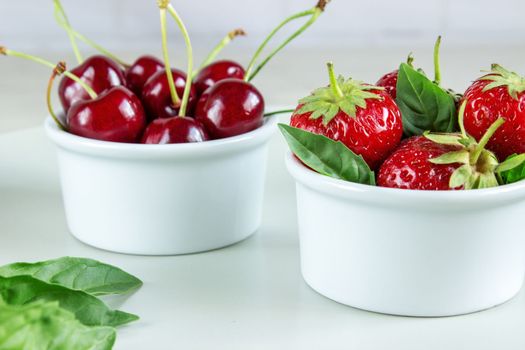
46, 326
21, 290
424, 105
87, 275
326, 156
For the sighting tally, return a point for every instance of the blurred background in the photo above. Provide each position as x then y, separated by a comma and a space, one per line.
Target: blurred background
365, 39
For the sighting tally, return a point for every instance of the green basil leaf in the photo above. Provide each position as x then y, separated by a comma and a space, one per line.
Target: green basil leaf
326, 156
21, 290
87, 275
423, 104
517, 172
46, 326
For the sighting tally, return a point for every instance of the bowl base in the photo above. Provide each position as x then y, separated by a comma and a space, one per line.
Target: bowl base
411, 313
165, 251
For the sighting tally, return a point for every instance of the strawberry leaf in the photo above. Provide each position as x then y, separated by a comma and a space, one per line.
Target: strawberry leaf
423, 104
327, 157
502, 77
323, 102
444, 139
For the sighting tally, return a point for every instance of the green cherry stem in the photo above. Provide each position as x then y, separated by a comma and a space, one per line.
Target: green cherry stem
314, 13
259, 50
100, 49
437, 69
61, 17
7, 52
175, 99
58, 70
282, 111
485, 139
334, 85
62, 21
218, 48
189, 54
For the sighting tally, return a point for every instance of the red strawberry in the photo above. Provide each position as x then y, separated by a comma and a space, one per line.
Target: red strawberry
442, 162
363, 117
389, 82
409, 167
498, 94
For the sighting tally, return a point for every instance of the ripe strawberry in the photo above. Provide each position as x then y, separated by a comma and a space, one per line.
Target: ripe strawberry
442, 162
409, 167
363, 117
389, 82
498, 94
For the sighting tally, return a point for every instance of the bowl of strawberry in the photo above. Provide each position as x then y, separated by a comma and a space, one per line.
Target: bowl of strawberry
408, 194
156, 160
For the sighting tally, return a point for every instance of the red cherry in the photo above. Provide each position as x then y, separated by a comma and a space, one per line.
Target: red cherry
215, 72
230, 107
115, 115
140, 71
99, 72
156, 95
174, 130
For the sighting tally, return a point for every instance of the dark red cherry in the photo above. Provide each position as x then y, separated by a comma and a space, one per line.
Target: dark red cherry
99, 72
174, 130
156, 95
230, 107
115, 115
215, 72
140, 71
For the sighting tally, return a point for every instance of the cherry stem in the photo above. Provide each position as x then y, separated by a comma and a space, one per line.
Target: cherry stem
314, 13
312, 19
461, 114
189, 54
336, 89
64, 23
485, 139
7, 52
58, 70
282, 111
175, 99
437, 69
59, 12
219, 47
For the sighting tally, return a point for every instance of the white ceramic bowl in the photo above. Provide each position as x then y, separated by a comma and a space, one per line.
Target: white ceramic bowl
162, 199
405, 252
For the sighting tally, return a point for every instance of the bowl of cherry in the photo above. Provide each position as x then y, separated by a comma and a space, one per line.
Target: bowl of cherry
156, 160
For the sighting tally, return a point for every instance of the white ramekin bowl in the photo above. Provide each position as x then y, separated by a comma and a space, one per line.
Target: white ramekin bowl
162, 199
405, 252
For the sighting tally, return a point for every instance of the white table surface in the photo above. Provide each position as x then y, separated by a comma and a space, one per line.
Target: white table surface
247, 296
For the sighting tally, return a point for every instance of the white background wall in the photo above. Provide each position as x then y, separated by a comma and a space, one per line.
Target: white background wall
130, 24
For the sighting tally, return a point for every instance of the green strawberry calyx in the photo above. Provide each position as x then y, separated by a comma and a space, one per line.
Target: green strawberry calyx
499, 76
479, 167
341, 95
